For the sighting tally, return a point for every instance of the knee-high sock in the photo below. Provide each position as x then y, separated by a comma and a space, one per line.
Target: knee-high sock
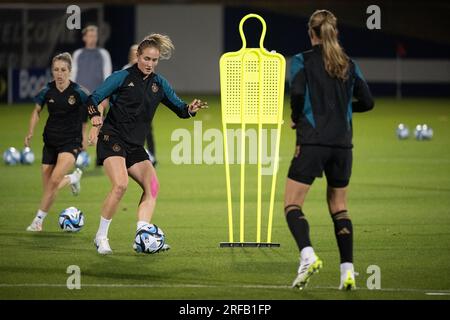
343, 229
298, 225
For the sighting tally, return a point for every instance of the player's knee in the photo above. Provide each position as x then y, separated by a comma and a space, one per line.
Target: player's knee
120, 188
53, 182
154, 186
292, 207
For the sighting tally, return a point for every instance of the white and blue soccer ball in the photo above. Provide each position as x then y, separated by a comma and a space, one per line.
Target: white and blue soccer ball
423, 132
418, 132
71, 219
402, 131
11, 156
27, 156
427, 132
149, 239
83, 160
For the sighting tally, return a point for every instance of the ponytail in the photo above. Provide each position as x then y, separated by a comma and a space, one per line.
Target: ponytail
336, 62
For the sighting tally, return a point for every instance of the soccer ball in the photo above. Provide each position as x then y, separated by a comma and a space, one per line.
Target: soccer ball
71, 219
423, 132
149, 239
11, 156
427, 132
27, 156
83, 160
418, 132
402, 131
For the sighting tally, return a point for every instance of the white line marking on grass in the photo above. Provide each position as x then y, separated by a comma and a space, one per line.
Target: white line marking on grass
109, 285
244, 286
437, 293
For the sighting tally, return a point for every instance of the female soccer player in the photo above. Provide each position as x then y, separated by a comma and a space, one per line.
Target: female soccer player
324, 82
132, 59
62, 134
134, 95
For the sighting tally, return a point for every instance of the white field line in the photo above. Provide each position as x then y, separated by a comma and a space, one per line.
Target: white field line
250, 286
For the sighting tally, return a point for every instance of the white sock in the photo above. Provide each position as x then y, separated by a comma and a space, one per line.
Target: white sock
141, 223
41, 215
73, 178
346, 266
307, 253
103, 228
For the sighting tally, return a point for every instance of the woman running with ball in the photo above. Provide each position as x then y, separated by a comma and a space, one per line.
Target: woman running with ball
62, 134
134, 94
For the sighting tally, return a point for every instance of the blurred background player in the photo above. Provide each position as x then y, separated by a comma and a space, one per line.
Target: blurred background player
62, 134
120, 145
323, 83
132, 56
90, 66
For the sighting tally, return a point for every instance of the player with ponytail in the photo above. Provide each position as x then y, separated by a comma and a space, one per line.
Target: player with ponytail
326, 88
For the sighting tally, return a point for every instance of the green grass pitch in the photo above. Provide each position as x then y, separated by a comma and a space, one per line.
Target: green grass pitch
399, 201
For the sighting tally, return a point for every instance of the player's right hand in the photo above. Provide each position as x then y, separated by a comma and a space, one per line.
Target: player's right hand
27, 140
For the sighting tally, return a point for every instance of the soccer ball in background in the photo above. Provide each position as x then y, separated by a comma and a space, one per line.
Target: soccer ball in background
27, 156
427, 132
402, 131
71, 219
423, 132
149, 239
83, 160
11, 156
418, 132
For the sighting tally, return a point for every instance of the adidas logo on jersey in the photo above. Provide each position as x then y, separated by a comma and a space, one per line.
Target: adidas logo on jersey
131, 84
51, 101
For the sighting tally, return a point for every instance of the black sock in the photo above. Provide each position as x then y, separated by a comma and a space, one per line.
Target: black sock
343, 229
299, 226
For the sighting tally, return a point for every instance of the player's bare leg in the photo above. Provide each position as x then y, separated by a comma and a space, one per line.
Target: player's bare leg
52, 175
64, 163
145, 175
116, 170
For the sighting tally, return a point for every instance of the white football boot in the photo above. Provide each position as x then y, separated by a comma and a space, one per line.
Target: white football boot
76, 186
347, 277
306, 269
102, 245
35, 226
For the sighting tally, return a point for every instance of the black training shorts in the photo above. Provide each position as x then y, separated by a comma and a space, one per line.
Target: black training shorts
50, 153
110, 146
313, 160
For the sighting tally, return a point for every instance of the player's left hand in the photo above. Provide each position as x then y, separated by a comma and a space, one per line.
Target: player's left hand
96, 121
196, 105
93, 134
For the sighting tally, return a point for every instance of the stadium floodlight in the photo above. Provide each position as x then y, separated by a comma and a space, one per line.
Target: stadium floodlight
252, 92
